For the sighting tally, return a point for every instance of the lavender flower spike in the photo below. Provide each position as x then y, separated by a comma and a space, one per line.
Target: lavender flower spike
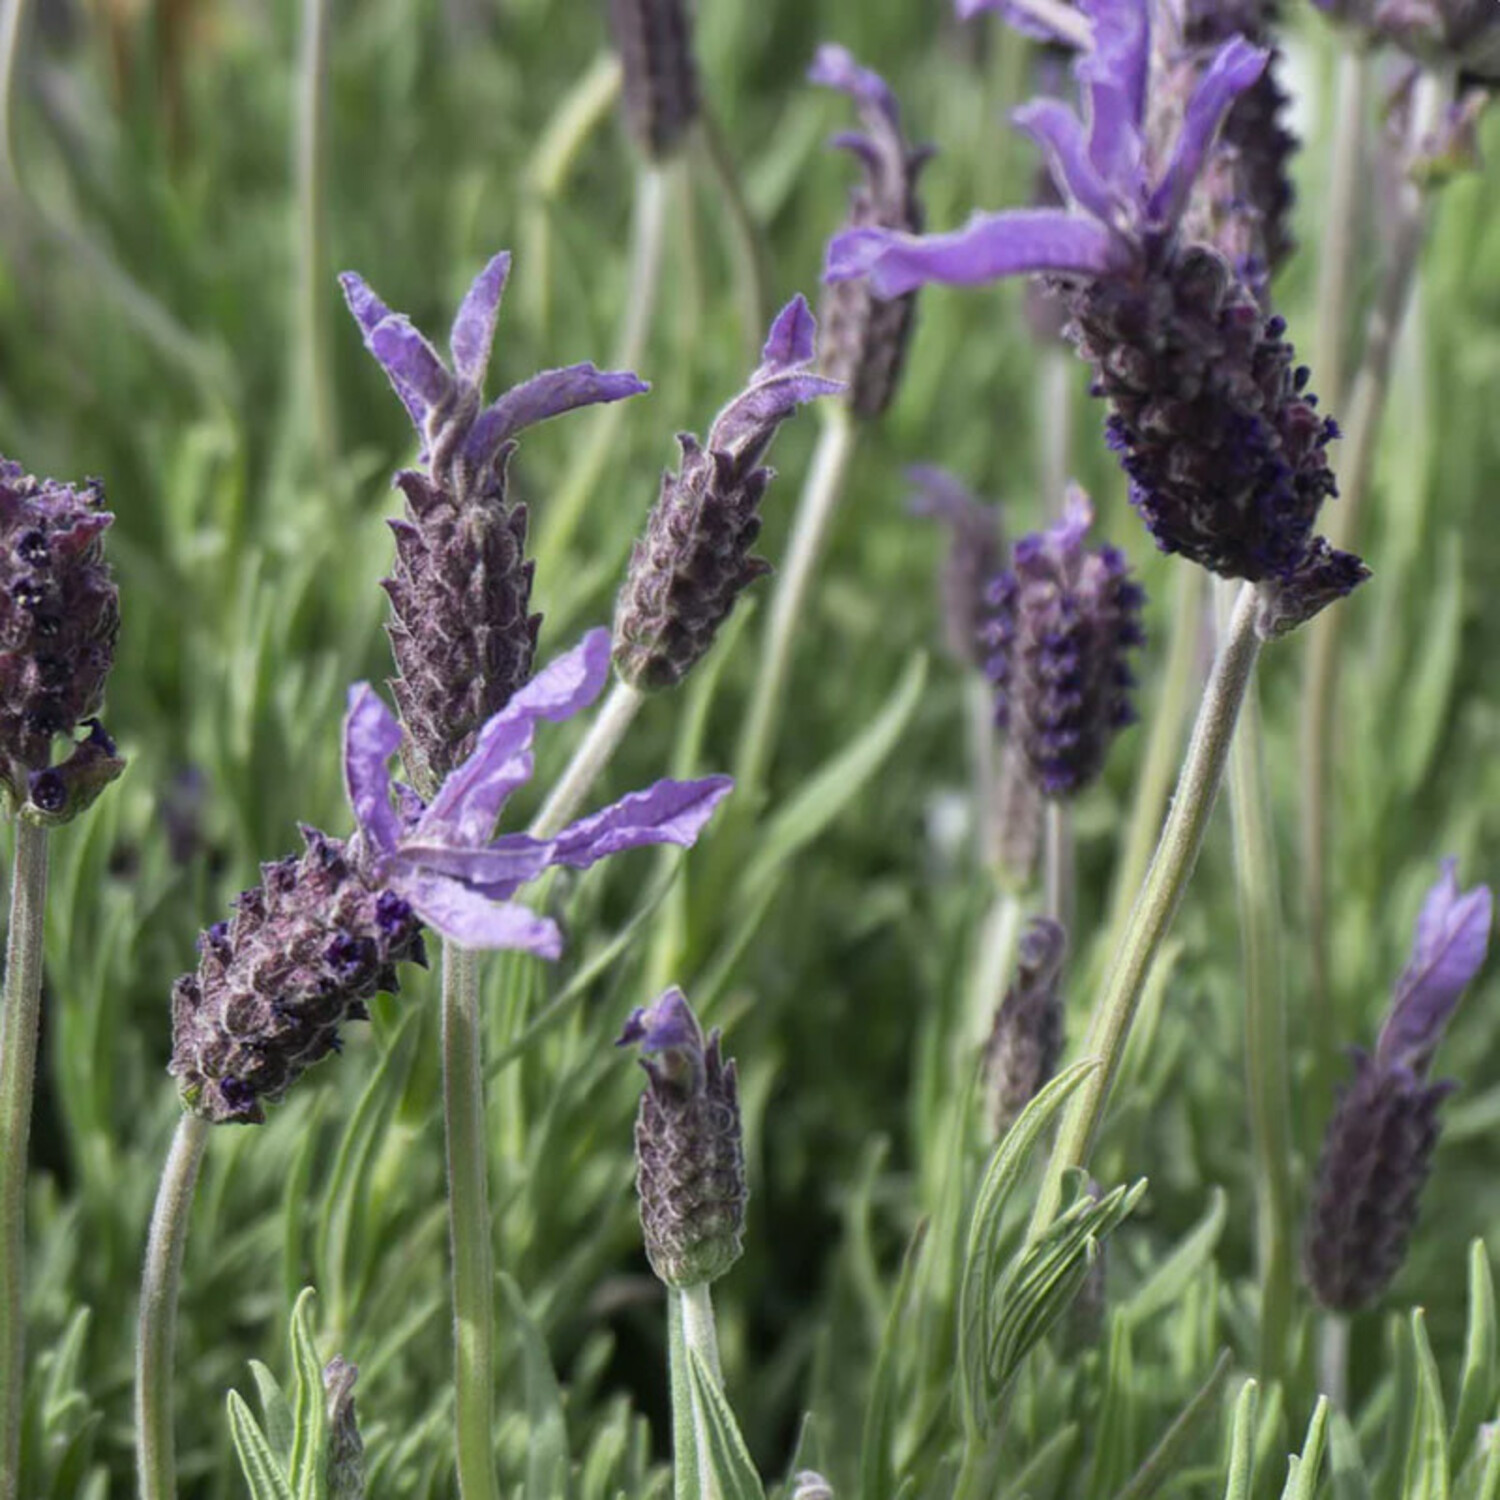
1027, 1037
461, 626
695, 559
443, 858
690, 1160
865, 334
973, 561
1065, 619
1224, 452
660, 85
1378, 1148
59, 616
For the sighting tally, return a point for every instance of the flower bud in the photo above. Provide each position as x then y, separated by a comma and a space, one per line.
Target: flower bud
690, 1164
1027, 1037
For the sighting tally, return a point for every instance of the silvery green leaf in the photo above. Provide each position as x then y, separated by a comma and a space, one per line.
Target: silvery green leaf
730, 1473
1114, 1429
1426, 1476
1350, 1482
877, 1474
309, 1417
1303, 1471
1169, 1280
1477, 1390
1241, 1477
1165, 1459
276, 1414
547, 1447
262, 1470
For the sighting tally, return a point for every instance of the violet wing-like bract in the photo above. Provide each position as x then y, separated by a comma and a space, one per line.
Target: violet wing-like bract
461, 628
695, 560
1378, 1148
690, 1160
865, 336
1224, 451
444, 858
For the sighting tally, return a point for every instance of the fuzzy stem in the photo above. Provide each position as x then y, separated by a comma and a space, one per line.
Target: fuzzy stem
1057, 862
1333, 1359
589, 760
1156, 906
1055, 424
1320, 698
746, 244
155, 1466
561, 517
993, 960
12, 19
694, 1310
469, 1224
20, 1019
1163, 750
1337, 254
1268, 1088
819, 500
316, 379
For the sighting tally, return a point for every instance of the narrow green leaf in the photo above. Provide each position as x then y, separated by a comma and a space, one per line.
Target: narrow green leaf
877, 1475
829, 790
731, 1474
1426, 1476
1476, 1391
1163, 1461
981, 1260
1039, 1474
1303, 1471
309, 1415
1429, 685
547, 1441
1166, 1285
1350, 1481
1114, 1430
264, 1475
1242, 1444
276, 1413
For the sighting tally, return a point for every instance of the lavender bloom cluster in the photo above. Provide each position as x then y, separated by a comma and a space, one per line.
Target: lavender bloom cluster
59, 617
866, 335
654, 39
1209, 412
1063, 620
1377, 1151
690, 1160
695, 558
322, 934
461, 627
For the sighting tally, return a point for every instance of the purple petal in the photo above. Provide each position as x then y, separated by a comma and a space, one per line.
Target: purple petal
668, 1022
371, 737
1018, 18
464, 811
671, 812
474, 328
474, 921
1113, 75
1453, 933
549, 394
1234, 68
370, 312
836, 68
746, 425
790, 342
988, 247
496, 871
944, 495
411, 362
1059, 132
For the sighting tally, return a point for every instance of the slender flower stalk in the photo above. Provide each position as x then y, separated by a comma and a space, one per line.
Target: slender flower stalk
315, 373
1057, 863
1161, 894
20, 1014
470, 1232
155, 1462
1268, 1087
1320, 695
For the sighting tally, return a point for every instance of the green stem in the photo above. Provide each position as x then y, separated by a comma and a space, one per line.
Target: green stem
316, 379
469, 1224
1156, 906
20, 1019
561, 518
746, 245
1333, 1359
1055, 424
589, 760
1320, 681
155, 1467
12, 18
692, 1327
1265, 1028
1163, 749
820, 497
1057, 862
1337, 253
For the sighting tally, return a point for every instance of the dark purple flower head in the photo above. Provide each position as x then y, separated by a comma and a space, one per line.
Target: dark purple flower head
1461, 34
461, 626
1065, 619
304, 951
974, 556
1378, 1149
444, 860
1224, 451
695, 558
865, 335
59, 616
690, 1163
660, 78
1027, 1037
